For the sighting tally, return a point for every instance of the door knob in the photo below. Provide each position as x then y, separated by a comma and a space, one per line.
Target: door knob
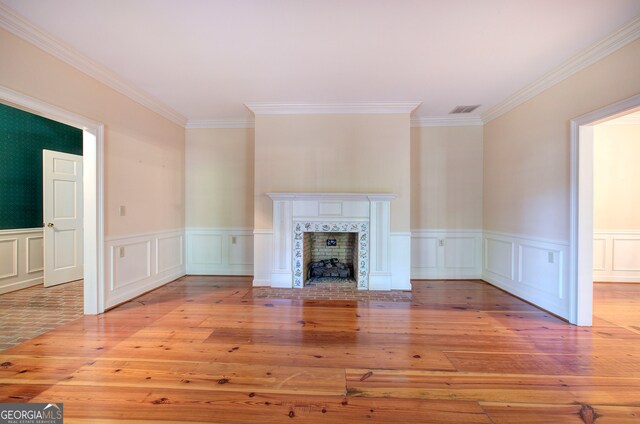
50, 225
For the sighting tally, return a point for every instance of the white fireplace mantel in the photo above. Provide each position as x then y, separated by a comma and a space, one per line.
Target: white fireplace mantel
333, 196
294, 213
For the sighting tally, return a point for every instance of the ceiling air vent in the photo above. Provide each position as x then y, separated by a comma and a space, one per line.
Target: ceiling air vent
464, 109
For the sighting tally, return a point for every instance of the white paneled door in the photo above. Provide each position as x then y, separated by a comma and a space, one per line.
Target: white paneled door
62, 212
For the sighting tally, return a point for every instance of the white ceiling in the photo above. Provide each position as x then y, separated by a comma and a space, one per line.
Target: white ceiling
207, 58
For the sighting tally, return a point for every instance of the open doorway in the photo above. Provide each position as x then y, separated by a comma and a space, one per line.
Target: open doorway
616, 221
93, 190
581, 243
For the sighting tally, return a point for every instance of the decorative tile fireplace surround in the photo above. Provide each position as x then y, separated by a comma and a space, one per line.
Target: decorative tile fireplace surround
367, 215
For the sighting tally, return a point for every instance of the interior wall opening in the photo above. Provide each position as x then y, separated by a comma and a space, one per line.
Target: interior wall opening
581, 240
93, 190
616, 222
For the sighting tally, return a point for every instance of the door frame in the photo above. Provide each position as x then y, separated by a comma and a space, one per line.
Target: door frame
93, 189
581, 207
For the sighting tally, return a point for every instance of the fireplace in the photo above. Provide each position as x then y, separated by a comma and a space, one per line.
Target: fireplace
282, 256
329, 257
360, 234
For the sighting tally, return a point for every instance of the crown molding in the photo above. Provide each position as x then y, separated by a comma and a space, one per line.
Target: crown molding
19, 26
331, 108
620, 38
220, 123
446, 121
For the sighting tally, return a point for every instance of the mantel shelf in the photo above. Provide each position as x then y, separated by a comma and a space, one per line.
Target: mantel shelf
332, 196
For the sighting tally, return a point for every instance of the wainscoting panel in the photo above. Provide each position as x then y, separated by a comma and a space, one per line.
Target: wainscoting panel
142, 262
531, 268
35, 256
443, 254
616, 256
21, 259
499, 257
219, 251
169, 252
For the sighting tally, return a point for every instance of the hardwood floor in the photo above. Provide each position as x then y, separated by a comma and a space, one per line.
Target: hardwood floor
203, 349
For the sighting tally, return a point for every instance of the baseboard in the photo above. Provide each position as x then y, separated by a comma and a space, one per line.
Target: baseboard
142, 288
21, 285
261, 283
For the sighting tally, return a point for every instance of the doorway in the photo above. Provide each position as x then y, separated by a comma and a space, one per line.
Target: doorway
616, 240
582, 206
93, 190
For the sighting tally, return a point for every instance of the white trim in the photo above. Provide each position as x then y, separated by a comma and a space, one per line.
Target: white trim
617, 254
219, 123
21, 285
262, 232
30, 270
14, 271
331, 108
219, 251
618, 39
33, 105
528, 268
93, 187
445, 230
138, 271
227, 229
528, 237
21, 231
400, 260
332, 196
446, 121
141, 235
446, 253
21, 27
581, 206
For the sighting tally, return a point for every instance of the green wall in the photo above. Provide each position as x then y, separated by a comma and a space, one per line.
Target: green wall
23, 136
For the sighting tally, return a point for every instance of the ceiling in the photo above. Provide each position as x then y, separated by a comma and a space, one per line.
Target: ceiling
207, 58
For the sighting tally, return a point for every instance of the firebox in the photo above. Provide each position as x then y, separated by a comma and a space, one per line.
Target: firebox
329, 256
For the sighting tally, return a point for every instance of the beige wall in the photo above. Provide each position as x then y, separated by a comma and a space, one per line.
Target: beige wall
333, 153
219, 178
616, 173
526, 151
144, 152
446, 178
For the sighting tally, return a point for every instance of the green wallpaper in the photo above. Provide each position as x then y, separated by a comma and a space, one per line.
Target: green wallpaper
23, 136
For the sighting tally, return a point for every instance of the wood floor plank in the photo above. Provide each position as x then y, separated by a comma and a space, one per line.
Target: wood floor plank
232, 407
616, 364
204, 349
509, 388
402, 357
505, 413
213, 377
